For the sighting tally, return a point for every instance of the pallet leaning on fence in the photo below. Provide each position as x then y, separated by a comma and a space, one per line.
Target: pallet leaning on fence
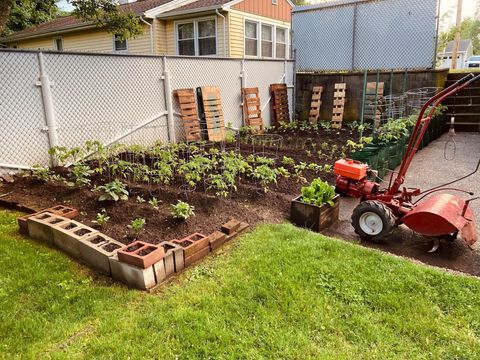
252, 110
212, 113
315, 105
189, 114
338, 105
279, 101
374, 100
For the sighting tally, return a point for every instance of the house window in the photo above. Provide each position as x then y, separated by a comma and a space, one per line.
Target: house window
207, 41
281, 43
58, 44
267, 40
251, 38
186, 39
119, 44
197, 38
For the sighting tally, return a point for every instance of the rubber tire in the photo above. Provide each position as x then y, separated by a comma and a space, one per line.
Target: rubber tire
388, 219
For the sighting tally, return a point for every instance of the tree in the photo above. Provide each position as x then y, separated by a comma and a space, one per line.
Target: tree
469, 29
26, 13
16, 15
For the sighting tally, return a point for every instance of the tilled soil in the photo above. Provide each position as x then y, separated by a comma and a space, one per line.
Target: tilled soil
249, 204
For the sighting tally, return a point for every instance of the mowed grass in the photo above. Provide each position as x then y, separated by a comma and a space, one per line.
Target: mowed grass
278, 293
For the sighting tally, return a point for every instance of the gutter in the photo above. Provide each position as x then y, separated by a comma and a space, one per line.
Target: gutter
224, 32
151, 33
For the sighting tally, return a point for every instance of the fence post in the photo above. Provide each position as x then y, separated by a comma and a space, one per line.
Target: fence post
294, 69
168, 102
48, 107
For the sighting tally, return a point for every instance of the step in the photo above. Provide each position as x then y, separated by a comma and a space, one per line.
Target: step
458, 76
464, 109
466, 127
462, 100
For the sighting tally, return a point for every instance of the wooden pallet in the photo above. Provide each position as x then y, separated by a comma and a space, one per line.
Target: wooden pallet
316, 104
189, 114
279, 104
212, 113
338, 105
252, 109
370, 112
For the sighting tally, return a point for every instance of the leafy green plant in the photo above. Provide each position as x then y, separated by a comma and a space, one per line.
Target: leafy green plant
137, 225
140, 200
114, 190
154, 203
318, 193
65, 155
41, 172
182, 210
265, 175
288, 161
101, 218
80, 175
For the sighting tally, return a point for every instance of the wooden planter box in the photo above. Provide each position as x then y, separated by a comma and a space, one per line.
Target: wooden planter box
313, 217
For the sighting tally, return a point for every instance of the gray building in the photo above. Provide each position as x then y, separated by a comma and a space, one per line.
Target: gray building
365, 34
465, 51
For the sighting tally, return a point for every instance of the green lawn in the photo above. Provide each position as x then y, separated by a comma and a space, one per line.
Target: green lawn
279, 293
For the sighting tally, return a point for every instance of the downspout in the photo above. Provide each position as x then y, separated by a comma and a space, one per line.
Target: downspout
224, 33
151, 33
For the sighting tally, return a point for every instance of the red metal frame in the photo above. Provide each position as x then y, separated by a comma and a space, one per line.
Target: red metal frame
400, 201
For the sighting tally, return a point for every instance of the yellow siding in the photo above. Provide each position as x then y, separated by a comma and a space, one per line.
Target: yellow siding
43, 43
161, 37
236, 25
89, 40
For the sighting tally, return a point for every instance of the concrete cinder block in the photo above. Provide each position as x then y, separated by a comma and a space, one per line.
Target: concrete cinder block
169, 258
95, 250
59, 210
132, 276
159, 270
197, 256
68, 234
39, 227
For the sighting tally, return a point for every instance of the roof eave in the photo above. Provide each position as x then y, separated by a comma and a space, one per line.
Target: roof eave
191, 11
13, 38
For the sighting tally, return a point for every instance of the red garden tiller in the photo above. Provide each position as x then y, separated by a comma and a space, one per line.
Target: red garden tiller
443, 216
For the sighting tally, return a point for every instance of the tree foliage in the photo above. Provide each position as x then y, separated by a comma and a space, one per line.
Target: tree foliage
469, 29
16, 15
107, 14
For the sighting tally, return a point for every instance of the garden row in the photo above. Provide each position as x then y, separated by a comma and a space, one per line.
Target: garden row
140, 265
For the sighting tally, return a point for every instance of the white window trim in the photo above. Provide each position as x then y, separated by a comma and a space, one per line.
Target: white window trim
55, 43
273, 41
195, 22
259, 39
119, 51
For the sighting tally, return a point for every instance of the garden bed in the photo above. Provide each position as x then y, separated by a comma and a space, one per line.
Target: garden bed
249, 203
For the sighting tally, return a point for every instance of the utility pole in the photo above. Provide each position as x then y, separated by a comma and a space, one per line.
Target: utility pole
456, 42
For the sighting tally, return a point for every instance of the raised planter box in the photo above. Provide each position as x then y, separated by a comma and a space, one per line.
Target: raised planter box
132, 276
68, 235
141, 254
60, 210
96, 249
313, 217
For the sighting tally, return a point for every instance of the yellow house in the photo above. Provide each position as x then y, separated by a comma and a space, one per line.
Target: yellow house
224, 28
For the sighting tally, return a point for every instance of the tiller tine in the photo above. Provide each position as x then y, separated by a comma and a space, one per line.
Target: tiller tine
436, 245
441, 215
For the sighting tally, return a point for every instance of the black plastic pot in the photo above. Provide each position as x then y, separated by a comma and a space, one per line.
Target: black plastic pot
313, 217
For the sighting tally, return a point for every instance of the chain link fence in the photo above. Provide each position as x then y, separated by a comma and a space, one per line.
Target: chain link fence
366, 34
69, 98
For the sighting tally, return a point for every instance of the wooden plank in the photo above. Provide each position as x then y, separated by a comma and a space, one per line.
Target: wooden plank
252, 112
339, 96
213, 113
189, 114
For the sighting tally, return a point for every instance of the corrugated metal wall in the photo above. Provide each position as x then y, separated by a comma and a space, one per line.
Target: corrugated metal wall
366, 35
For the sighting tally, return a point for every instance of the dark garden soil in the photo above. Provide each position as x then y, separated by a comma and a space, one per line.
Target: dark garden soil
249, 204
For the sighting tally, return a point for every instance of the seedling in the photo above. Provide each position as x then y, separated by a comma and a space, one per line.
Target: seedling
154, 203
137, 225
102, 218
140, 199
182, 210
